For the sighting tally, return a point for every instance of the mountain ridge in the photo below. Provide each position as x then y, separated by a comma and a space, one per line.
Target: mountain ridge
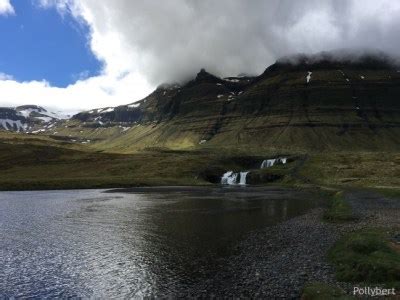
335, 126
286, 105
28, 118
315, 104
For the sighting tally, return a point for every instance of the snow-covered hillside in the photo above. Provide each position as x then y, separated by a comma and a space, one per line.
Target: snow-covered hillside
28, 118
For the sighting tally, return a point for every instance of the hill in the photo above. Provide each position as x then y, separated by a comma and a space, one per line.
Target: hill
28, 118
310, 106
336, 122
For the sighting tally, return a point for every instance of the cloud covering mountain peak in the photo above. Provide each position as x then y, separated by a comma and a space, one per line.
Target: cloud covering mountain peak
154, 42
170, 40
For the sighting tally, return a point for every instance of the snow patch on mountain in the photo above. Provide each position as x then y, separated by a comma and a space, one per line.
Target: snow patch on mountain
28, 118
45, 119
309, 77
134, 105
17, 125
107, 109
33, 111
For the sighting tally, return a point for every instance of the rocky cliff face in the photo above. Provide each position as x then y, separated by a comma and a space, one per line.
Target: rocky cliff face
312, 104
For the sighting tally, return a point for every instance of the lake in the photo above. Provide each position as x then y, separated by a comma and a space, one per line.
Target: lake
148, 241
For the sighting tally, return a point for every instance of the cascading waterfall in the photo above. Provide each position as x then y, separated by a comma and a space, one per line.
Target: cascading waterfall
243, 176
231, 178
268, 163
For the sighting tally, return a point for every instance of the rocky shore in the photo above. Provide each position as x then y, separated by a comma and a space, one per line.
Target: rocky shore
278, 261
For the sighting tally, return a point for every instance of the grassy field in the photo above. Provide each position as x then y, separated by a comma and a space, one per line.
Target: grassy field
42, 164
350, 169
367, 256
48, 162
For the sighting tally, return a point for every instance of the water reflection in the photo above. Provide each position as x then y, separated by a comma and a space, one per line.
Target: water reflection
91, 244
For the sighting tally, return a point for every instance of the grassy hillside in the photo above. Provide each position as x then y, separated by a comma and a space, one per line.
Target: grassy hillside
338, 108
338, 122
30, 162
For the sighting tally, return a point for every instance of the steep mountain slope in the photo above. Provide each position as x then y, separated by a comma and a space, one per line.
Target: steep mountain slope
336, 122
307, 106
28, 118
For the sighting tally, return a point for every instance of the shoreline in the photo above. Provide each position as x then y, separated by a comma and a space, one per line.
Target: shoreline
280, 260
164, 188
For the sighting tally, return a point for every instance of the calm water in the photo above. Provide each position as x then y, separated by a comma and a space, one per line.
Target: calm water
158, 241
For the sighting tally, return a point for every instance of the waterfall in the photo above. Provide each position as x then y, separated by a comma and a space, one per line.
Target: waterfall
268, 163
231, 178
243, 176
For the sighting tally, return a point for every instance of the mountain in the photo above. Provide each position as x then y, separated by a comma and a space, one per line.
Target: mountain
28, 118
333, 122
307, 105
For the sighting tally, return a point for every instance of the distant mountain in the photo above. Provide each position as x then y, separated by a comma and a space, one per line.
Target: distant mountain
169, 100
303, 103
300, 103
28, 118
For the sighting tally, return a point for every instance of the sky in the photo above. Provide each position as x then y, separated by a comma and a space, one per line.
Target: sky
75, 55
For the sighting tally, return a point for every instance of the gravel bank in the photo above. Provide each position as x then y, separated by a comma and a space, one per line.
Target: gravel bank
278, 261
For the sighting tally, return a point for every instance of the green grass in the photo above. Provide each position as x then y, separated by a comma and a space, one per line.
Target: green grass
322, 291
354, 169
339, 210
367, 256
38, 161
389, 192
28, 166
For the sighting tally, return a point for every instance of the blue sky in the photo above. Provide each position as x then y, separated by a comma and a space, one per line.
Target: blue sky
41, 44
125, 48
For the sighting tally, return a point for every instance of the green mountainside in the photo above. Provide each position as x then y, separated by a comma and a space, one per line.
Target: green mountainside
338, 122
311, 107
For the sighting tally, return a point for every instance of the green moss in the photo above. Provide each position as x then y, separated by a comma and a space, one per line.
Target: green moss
339, 210
323, 291
366, 256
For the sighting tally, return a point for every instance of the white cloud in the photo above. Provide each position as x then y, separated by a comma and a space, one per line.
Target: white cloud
4, 76
6, 8
118, 84
145, 43
93, 92
171, 40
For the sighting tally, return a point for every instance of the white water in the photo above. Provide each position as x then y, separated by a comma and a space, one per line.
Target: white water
243, 176
268, 163
231, 178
